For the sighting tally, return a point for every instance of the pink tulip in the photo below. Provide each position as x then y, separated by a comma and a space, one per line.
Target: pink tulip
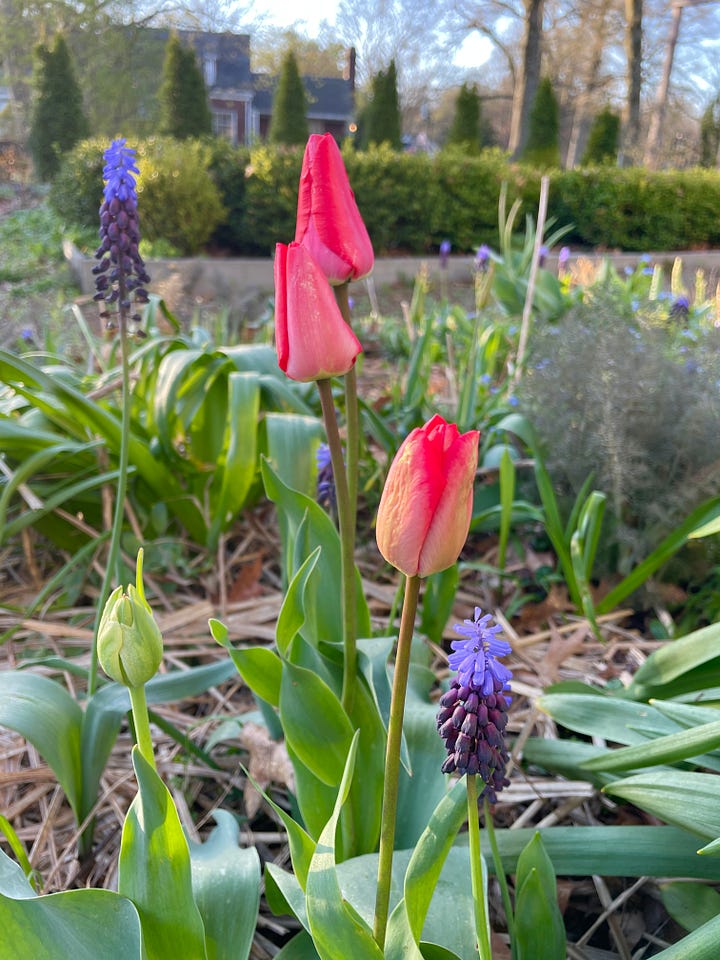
426, 506
313, 341
328, 220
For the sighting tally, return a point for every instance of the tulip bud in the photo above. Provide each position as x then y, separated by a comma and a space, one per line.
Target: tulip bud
328, 220
129, 640
426, 505
313, 341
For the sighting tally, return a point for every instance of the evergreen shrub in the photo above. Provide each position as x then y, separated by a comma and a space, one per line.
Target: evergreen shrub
410, 202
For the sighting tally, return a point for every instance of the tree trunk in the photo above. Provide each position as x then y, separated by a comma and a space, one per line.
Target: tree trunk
581, 119
657, 117
529, 77
633, 49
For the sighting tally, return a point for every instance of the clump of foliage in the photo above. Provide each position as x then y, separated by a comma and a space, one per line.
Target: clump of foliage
183, 97
468, 130
543, 142
642, 416
58, 118
603, 139
710, 134
380, 120
289, 113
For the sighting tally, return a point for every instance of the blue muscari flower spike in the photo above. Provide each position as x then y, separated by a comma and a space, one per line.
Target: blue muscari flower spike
473, 712
475, 657
326, 478
121, 273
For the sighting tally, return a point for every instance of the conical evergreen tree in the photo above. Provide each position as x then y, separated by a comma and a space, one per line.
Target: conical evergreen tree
381, 118
603, 139
543, 142
58, 119
710, 134
184, 109
467, 130
288, 123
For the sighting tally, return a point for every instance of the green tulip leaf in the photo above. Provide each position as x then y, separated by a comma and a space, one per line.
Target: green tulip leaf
686, 800
154, 871
64, 926
292, 442
226, 886
539, 927
260, 667
689, 903
292, 613
701, 944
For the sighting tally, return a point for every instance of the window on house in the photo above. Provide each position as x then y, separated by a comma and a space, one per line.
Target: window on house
210, 70
223, 124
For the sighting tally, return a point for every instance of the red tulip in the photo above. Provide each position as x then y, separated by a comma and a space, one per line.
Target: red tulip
328, 220
425, 509
313, 341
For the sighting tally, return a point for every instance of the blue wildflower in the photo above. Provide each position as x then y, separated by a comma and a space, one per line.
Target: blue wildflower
473, 713
563, 258
121, 273
680, 308
543, 254
445, 247
326, 478
482, 257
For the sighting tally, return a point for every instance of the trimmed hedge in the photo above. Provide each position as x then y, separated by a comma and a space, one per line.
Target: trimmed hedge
410, 202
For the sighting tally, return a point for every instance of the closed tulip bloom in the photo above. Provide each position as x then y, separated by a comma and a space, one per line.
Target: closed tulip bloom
312, 339
426, 505
328, 220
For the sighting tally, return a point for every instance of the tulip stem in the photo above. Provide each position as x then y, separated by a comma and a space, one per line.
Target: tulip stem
477, 870
346, 524
392, 758
142, 724
113, 557
351, 408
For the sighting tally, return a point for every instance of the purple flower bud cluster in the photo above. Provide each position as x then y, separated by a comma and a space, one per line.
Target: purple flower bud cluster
473, 713
120, 274
326, 478
473, 727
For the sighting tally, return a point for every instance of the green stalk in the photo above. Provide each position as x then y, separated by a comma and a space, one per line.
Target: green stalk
392, 759
142, 724
113, 567
500, 874
476, 871
346, 525
352, 418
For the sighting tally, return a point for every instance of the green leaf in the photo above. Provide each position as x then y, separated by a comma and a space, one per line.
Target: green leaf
668, 749
226, 886
64, 926
154, 871
408, 918
687, 800
701, 944
260, 667
292, 442
292, 613
299, 948
677, 657
337, 930
690, 904
316, 726
539, 927
237, 463
45, 714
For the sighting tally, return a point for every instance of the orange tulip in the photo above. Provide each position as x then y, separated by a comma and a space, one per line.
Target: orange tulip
328, 220
312, 339
426, 505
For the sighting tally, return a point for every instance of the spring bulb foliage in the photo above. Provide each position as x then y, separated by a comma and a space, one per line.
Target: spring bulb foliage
312, 339
426, 505
329, 224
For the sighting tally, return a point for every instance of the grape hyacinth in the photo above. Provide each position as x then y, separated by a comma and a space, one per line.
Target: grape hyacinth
473, 713
121, 273
326, 479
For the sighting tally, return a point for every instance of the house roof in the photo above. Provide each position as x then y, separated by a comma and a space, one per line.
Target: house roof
327, 97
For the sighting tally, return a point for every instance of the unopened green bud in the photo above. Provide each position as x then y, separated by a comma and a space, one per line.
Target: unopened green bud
129, 640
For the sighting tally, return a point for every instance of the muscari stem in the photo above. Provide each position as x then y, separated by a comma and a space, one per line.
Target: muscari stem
476, 871
392, 759
346, 525
142, 724
113, 568
500, 874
